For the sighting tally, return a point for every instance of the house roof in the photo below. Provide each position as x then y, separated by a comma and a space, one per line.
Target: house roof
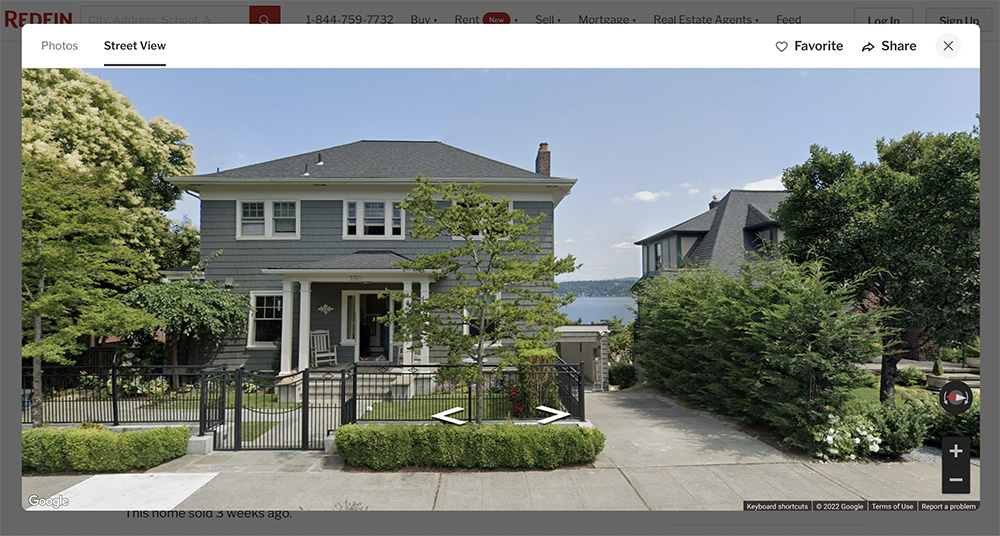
724, 243
359, 260
698, 224
382, 159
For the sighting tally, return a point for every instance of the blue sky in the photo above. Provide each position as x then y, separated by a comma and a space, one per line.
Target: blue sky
649, 147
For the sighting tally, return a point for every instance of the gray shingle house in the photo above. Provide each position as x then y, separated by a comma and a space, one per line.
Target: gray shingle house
741, 222
312, 238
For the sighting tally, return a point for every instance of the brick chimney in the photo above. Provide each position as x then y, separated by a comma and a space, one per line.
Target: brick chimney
713, 203
543, 162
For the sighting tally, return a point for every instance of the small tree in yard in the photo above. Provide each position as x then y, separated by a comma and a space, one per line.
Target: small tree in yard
491, 254
190, 310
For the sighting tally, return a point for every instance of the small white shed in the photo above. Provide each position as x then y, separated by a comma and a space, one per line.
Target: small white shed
587, 344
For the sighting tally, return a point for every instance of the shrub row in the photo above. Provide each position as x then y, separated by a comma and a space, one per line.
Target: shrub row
54, 450
776, 345
486, 446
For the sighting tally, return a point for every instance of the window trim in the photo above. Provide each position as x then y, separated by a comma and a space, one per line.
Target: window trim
510, 208
251, 317
387, 205
467, 329
269, 233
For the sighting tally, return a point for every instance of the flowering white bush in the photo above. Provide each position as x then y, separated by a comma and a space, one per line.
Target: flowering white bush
847, 438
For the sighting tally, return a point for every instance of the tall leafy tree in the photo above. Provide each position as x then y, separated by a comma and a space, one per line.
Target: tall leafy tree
83, 119
190, 310
72, 259
501, 281
906, 226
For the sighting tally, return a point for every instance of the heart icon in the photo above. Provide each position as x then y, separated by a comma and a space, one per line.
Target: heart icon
782, 45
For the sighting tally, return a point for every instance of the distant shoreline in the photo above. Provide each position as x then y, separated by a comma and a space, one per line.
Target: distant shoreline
599, 288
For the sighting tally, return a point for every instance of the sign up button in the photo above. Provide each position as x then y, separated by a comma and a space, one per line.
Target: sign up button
983, 16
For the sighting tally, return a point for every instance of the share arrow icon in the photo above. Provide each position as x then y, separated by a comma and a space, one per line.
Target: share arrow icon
556, 414
443, 416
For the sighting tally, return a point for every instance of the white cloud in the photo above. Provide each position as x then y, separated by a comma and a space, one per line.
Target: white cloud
568, 240
623, 246
718, 190
774, 183
645, 196
591, 232
694, 191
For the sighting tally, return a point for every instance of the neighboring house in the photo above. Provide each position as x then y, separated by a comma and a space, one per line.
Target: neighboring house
733, 229
741, 222
312, 238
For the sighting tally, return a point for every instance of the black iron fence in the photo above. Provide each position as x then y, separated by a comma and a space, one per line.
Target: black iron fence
246, 410
115, 394
416, 393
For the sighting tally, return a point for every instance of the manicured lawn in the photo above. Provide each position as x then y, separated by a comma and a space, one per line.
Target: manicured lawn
252, 430
421, 407
255, 400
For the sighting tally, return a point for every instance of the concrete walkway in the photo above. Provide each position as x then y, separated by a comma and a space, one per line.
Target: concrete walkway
658, 456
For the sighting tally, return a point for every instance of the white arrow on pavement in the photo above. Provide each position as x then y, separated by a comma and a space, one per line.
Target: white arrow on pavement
556, 414
443, 416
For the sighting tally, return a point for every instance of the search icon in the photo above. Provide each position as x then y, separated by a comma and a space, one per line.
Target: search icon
265, 14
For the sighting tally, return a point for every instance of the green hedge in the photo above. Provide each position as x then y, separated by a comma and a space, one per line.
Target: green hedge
776, 345
470, 445
56, 450
623, 375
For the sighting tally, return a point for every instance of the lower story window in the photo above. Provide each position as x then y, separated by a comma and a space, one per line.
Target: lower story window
265, 321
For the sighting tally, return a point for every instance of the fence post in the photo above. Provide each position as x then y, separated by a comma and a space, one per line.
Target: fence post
354, 396
579, 387
305, 409
202, 404
238, 418
114, 393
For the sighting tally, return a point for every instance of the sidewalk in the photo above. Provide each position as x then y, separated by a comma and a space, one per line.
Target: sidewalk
658, 456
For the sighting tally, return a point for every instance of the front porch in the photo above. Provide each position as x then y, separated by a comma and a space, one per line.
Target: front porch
342, 298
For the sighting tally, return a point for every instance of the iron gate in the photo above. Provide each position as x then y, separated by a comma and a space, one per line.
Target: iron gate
249, 411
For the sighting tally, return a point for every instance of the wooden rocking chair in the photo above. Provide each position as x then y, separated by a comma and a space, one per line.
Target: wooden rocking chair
320, 350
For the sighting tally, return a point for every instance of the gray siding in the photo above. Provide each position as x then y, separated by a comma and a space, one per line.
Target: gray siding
321, 230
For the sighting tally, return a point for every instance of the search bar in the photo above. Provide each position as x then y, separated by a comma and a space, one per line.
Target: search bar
163, 14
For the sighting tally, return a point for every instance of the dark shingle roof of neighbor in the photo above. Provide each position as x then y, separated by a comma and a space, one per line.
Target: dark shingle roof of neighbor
359, 260
724, 245
698, 224
382, 159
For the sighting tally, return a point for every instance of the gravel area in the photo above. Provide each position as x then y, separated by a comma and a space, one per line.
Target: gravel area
925, 453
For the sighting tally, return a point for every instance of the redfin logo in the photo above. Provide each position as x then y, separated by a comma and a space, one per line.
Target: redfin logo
16, 20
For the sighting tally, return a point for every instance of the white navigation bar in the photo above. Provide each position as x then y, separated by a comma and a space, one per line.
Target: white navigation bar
814, 46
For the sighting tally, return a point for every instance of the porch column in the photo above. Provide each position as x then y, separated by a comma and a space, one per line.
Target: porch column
286, 327
305, 306
407, 351
425, 292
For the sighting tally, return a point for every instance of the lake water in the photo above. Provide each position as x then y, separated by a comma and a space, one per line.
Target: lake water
593, 310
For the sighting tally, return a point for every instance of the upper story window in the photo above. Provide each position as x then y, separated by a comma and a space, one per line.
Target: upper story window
658, 256
767, 238
267, 219
478, 234
367, 219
